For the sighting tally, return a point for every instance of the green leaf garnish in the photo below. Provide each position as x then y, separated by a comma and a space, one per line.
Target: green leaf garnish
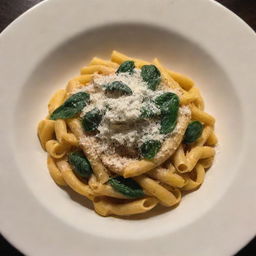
151, 75
161, 99
127, 187
193, 132
126, 66
72, 106
150, 148
169, 114
118, 87
91, 120
80, 164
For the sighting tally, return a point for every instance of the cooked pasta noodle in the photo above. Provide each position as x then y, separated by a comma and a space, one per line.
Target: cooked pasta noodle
193, 184
100, 69
202, 116
55, 172
168, 177
128, 135
56, 149
105, 207
56, 100
155, 189
72, 181
45, 131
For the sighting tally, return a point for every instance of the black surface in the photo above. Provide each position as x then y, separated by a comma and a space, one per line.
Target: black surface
11, 9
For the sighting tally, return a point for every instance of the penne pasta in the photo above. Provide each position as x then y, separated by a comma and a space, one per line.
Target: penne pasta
153, 188
73, 182
62, 135
45, 131
207, 131
179, 160
193, 184
55, 172
100, 189
57, 99
167, 176
73, 85
207, 162
170, 81
185, 82
198, 153
106, 207
192, 96
98, 61
212, 140
56, 149
84, 79
119, 58
202, 116
100, 69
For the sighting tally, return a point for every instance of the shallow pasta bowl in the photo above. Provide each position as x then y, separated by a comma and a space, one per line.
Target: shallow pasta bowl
46, 46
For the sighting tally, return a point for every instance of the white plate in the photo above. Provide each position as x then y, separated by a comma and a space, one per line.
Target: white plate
47, 45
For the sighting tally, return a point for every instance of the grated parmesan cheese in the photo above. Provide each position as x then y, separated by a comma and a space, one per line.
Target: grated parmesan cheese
121, 124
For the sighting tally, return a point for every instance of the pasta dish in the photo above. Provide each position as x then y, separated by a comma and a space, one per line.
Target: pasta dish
128, 135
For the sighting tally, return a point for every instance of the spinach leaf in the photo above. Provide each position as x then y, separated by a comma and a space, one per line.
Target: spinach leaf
71, 106
127, 187
193, 132
126, 66
91, 120
118, 87
80, 164
150, 148
166, 96
169, 114
151, 75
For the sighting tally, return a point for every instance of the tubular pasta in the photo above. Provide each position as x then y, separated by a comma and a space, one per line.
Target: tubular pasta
185, 82
45, 131
96, 69
55, 172
73, 85
56, 100
167, 176
155, 189
98, 61
106, 207
193, 184
100, 189
119, 58
83, 79
212, 139
207, 162
170, 81
207, 131
62, 135
192, 96
180, 160
56, 149
71, 179
202, 116
198, 153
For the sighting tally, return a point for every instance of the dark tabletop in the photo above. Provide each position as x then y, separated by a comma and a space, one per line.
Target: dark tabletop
11, 9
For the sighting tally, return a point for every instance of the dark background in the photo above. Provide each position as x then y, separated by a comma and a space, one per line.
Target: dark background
11, 9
